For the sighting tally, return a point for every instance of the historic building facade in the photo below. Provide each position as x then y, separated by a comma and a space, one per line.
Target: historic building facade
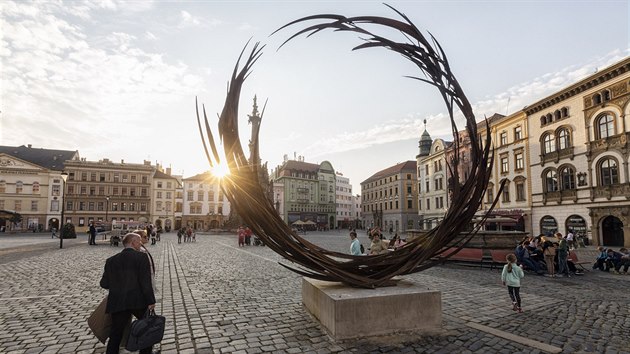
163, 198
389, 198
306, 191
107, 191
343, 202
205, 205
31, 185
433, 198
580, 156
511, 168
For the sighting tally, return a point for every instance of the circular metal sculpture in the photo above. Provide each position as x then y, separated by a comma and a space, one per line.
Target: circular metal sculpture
248, 198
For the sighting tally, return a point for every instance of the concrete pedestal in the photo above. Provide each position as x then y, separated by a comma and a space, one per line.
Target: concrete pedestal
348, 312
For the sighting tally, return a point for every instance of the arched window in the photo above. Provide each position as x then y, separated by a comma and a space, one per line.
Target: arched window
608, 172
565, 112
543, 120
605, 125
551, 181
564, 139
549, 144
567, 178
549, 118
597, 98
35, 187
556, 115
606, 95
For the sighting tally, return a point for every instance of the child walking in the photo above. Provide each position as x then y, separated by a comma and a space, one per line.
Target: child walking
511, 276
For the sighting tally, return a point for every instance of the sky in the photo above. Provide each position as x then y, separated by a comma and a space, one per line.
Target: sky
118, 79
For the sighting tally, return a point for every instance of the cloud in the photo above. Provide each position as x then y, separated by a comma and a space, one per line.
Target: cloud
518, 97
150, 36
189, 20
67, 86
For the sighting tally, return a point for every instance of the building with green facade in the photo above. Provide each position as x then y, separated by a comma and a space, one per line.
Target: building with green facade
305, 191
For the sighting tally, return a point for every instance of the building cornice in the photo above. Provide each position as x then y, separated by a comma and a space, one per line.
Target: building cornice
588, 83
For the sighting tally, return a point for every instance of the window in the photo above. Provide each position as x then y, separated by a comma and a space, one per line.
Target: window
597, 98
503, 138
18, 187
123, 206
114, 206
520, 191
551, 181
158, 206
124, 190
557, 115
410, 204
169, 184
428, 184
116, 177
408, 189
564, 139
81, 221
567, 178
143, 192
99, 206
518, 161
35, 187
18, 205
549, 144
428, 204
518, 133
91, 206
605, 126
115, 191
93, 176
505, 196
505, 165
190, 195
125, 178
565, 112
33, 205
490, 194
143, 206
55, 189
608, 172
606, 95
82, 206
92, 190
83, 190
132, 206
133, 178
159, 184
101, 177
54, 205
69, 205
159, 195
144, 179
84, 176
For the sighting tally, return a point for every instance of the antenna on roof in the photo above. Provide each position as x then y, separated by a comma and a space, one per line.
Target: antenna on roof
508, 106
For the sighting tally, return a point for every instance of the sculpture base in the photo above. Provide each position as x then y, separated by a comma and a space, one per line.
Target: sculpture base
348, 312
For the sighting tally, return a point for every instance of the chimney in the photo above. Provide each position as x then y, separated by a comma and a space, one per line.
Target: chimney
122, 161
168, 171
30, 146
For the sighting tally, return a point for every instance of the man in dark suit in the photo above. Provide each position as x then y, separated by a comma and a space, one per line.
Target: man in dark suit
92, 240
127, 276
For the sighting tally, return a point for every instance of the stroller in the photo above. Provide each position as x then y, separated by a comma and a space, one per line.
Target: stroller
258, 242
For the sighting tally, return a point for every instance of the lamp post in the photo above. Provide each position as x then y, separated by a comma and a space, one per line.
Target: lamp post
64, 176
106, 208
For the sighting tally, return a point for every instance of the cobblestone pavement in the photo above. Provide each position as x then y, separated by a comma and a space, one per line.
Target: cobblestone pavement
219, 298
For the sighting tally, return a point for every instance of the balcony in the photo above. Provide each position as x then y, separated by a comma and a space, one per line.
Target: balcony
614, 142
609, 191
560, 196
557, 156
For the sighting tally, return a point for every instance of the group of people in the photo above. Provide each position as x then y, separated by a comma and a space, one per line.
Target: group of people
378, 245
129, 278
245, 237
612, 261
546, 255
187, 233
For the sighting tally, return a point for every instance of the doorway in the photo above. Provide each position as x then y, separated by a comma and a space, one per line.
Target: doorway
612, 231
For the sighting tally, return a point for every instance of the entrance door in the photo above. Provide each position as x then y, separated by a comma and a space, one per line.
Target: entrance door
612, 231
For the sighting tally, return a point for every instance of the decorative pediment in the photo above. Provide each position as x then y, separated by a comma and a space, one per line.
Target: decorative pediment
8, 162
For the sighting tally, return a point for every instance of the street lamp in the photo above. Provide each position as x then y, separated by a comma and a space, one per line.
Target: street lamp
64, 176
106, 208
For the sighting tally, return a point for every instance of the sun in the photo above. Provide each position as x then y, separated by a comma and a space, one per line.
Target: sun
220, 170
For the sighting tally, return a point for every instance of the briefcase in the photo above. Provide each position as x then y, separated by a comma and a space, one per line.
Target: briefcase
146, 331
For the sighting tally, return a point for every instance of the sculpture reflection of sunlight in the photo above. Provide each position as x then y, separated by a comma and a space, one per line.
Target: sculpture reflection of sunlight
220, 170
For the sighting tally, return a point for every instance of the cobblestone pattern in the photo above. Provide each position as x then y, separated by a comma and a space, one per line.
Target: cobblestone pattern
219, 298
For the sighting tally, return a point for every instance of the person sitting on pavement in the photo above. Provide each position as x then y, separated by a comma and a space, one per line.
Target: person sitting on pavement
625, 261
377, 246
613, 261
522, 254
600, 261
355, 245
